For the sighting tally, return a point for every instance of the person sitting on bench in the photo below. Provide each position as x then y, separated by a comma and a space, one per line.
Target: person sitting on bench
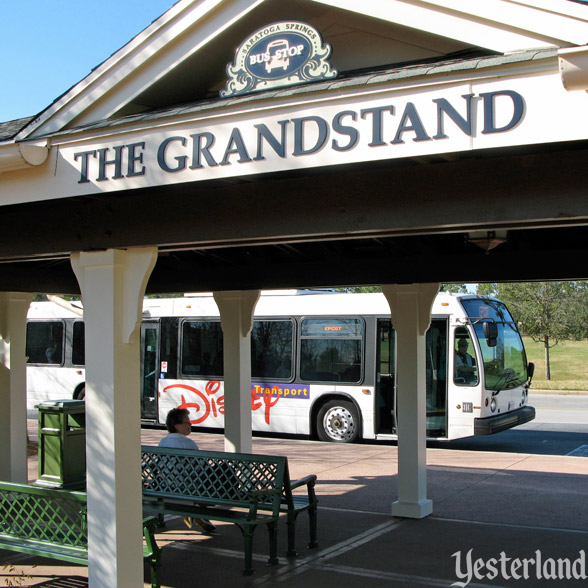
179, 428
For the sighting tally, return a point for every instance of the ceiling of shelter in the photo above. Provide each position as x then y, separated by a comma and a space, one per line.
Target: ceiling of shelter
397, 222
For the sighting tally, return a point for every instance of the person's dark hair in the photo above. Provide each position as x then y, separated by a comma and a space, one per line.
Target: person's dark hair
175, 417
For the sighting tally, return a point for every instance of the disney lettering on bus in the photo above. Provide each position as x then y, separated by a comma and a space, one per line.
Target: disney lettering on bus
281, 54
210, 403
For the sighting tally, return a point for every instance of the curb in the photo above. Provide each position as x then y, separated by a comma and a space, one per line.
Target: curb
560, 392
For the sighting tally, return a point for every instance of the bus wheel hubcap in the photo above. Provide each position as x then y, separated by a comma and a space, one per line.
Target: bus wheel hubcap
339, 423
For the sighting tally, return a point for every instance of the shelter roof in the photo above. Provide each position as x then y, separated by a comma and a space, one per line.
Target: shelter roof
433, 67
182, 56
10, 128
410, 219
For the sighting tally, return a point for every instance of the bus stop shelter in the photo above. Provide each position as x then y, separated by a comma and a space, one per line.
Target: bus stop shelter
240, 145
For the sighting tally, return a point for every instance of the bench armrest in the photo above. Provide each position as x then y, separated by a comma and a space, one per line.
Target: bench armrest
149, 526
306, 481
309, 482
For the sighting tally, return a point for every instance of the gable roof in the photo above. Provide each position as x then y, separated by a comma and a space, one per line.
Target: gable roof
405, 73
181, 57
10, 128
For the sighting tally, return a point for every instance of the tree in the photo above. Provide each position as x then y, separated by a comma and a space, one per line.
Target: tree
548, 312
361, 289
488, 289
454, 288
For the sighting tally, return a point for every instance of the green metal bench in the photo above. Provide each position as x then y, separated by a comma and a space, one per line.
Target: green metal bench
245, 489
53, 523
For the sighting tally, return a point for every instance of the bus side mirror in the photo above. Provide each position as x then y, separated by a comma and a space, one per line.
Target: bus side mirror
530, 370
491, 333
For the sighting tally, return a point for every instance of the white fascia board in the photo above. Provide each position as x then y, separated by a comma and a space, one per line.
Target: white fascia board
455, 19
547, 19
565, 7
136, 66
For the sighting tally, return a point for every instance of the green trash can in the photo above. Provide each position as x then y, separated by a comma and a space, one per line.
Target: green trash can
62, 444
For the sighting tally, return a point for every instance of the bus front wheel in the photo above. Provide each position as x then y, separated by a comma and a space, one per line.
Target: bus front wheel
338, 421
81, 394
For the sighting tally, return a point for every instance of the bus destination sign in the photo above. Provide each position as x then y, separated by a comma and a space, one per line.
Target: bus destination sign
280, 54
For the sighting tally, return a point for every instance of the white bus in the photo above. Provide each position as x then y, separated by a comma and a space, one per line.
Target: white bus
322, 365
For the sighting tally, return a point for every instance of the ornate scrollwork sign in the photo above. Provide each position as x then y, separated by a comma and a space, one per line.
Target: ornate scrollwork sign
280, 54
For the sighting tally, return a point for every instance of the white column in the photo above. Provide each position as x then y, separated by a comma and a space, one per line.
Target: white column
13, 386
113, 285
410, 306
236, 311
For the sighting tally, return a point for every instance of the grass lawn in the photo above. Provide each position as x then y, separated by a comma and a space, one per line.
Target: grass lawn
569, 365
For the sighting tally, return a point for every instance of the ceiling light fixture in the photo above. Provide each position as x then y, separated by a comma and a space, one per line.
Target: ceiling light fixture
486, 240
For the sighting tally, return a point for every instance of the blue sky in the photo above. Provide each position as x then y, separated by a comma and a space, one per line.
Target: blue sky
47, 46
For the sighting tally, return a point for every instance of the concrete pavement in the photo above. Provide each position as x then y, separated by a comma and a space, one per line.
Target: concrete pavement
517, 514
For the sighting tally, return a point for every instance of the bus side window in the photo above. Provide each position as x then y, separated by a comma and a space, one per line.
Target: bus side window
78, 351
45, 342
466, 370
331, 350
202, 348
272, 345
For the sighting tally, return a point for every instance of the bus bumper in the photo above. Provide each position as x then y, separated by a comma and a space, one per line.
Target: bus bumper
502, 422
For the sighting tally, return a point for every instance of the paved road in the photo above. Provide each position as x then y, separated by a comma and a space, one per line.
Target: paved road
562, 408
560, 428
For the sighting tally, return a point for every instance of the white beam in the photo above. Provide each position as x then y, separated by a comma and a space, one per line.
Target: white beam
13, 386
499, 25
410, 307
236, 311
113, 284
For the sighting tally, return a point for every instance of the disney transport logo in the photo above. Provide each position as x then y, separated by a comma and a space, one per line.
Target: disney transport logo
211, 402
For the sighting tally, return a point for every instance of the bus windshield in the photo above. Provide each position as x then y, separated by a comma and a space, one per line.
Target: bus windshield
505, 365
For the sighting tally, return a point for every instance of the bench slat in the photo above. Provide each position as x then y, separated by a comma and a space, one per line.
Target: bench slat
215, 514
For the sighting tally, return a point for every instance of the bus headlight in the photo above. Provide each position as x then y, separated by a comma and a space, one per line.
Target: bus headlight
523, 396
493, 405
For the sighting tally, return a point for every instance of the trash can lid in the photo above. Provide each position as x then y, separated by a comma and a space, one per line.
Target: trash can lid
61, 405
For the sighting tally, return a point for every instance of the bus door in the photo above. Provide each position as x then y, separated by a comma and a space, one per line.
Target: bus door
149, 367
385, 409
436, 367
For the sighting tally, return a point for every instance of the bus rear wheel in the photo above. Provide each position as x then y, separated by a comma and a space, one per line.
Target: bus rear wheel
338, 421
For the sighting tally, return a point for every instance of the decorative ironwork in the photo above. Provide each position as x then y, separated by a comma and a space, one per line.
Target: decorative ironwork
216, 477
43, 516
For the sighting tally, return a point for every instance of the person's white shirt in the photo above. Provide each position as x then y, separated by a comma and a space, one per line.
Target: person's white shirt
178, 441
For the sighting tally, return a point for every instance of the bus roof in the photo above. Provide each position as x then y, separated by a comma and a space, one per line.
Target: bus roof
271, 303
